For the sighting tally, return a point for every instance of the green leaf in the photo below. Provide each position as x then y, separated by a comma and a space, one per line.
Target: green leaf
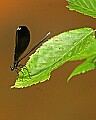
87, 51
87, 7
54, 53
89, 64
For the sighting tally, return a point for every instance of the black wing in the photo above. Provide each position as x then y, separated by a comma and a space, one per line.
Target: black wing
22, 41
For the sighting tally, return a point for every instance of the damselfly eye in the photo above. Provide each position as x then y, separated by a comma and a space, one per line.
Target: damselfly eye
12, 68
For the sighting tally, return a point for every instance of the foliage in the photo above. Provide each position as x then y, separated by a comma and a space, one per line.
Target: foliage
72, 45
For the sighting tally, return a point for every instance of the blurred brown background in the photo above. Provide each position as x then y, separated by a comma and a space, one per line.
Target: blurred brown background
53, 99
